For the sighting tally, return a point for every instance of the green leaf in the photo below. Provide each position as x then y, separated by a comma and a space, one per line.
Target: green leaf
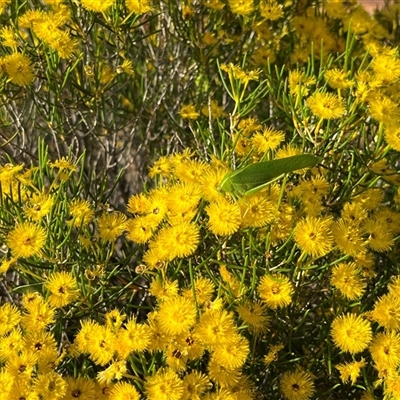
254, 177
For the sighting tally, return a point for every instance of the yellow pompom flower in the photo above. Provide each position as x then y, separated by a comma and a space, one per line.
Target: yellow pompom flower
271, 10
40, 314
203, 288
392, 389
80, 387
96, 5
351, 333
338, 79
380, 238
8, 36
287, 151
10, 317
313, 235
384, 110
64, 163
354, 213
210, 181
101, 345
275, 290
81, 213
182, 197
19, 69
387, 312
272, 354
195, 384
394, 286
299, 82
242, 7
50, 386
215, 328
26, 240
3, 3
267, 140
369, 199
347, 278
84, 336
189, 112
392, 136
64, 44
385, 350
138, 6
326, 105
133, 337
297, 385
253, 315
115, 371
191, 171
38, 206
123, 391
141, 228
232, 355
257, 211
224, 217
63, 289
179, 240
165, 384
114, 319
350, 371
111, 225
163, 290
177, 315
222, 376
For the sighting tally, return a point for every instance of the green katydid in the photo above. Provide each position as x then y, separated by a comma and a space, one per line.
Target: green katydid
254, 177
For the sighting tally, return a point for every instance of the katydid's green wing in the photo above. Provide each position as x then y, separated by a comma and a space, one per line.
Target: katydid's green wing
258, 174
